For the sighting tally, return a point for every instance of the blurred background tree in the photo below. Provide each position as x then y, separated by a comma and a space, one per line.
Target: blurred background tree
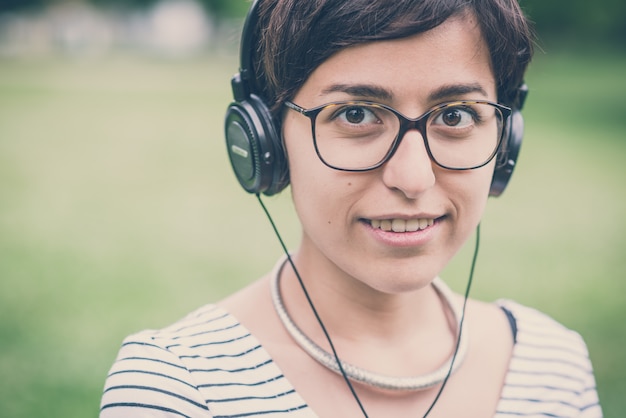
220, 8
7, 6
580, 22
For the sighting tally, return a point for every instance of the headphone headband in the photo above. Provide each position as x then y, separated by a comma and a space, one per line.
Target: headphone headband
246, 80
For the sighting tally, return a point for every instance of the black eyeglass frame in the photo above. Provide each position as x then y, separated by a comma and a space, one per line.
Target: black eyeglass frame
406, 124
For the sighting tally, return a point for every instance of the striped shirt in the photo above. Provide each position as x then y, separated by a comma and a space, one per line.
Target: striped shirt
209, 365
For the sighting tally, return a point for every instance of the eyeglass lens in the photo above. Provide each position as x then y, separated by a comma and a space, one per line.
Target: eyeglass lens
359, 135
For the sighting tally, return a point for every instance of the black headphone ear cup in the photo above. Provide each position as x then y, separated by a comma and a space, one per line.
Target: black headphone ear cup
255, 148
508, 153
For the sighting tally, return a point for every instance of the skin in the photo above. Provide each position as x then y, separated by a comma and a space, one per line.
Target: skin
332, 205
372, 288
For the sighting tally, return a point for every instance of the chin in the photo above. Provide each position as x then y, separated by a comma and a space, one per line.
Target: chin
399, 280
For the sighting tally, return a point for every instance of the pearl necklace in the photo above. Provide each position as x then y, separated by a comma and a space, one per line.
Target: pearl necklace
365, 376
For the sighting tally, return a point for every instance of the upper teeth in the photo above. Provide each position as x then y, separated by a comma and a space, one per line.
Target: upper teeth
402, 225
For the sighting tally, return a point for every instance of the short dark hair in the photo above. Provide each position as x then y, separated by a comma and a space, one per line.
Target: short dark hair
295, 36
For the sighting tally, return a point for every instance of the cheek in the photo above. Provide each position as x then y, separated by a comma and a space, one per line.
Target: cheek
318, 207
473, 192
298, 143
307, 174
468, 191
482, 182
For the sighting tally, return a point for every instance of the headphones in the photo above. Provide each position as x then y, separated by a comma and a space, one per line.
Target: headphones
510, 145
255, 146
254, 143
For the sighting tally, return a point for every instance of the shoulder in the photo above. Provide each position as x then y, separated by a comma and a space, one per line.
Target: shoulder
203, 328
208, 361
550, 366
154, 368
535, 329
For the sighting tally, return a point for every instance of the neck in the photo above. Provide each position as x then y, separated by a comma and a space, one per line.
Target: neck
351, 309
383, 355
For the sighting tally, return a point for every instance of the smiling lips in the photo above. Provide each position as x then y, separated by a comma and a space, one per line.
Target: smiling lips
401, 225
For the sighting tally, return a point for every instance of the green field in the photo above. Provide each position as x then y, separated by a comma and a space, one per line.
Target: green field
119, 211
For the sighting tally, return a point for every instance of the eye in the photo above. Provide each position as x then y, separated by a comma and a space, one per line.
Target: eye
356, 115
456, 117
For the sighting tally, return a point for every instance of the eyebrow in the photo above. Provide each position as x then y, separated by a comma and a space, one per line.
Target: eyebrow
360, 90
452, 91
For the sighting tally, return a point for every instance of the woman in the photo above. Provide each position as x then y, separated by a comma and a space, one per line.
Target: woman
389, 121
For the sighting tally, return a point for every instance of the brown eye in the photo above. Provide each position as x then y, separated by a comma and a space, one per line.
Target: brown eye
355, 115
456, 117
452, 117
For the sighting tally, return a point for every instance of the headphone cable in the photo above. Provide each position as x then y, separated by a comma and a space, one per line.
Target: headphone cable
310, 301
461, 321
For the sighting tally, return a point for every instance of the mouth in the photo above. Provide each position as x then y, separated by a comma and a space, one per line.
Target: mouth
401, 225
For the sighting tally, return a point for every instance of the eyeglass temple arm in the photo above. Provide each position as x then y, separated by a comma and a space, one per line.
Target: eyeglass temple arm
295, 107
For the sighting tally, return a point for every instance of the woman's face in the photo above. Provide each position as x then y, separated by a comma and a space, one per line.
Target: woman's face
344, 215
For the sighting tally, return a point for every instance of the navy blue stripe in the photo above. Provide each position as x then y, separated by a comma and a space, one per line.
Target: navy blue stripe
547, 373
241, 354
561, 348
545, 387
548, 401
242, 337
541, 321
512, 322
243, 369
154, 360
154, 374
578, 366
250, 398
275, 411
542, 401
142, 343
524, 414
222, 342
262, 382
591, 405
207, 332
165, 392
543, 331
144, 406
211, 331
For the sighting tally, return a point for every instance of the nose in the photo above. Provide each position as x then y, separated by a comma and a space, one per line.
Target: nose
410, 169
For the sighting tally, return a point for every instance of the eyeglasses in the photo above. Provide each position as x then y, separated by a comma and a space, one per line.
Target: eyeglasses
362, 135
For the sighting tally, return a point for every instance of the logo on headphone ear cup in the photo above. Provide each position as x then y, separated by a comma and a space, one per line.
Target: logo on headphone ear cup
254, 147
508, 153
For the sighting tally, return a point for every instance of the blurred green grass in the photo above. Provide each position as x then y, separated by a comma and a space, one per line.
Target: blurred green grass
119, 212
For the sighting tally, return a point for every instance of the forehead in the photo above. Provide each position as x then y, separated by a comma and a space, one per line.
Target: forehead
453, 53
